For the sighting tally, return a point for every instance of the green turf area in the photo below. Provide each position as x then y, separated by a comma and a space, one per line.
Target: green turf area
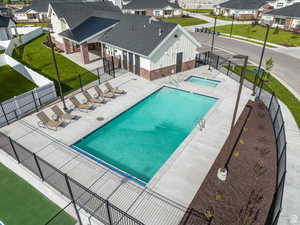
38, 57
185, 21
280, 90
226, 18
13, 83
33, 24
258, 32
199, 10
22, 204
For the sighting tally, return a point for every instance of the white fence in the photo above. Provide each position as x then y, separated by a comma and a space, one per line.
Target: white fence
19, 106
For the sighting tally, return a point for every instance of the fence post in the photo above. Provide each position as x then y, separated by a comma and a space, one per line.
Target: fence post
271, 101
98, 76
228, 69
189, 211
17, 105
38, 166
279, 132
108, 211
13, 148
113, 66
34, 101
80, 83
217, 64
4, 113
275, 117
72, 199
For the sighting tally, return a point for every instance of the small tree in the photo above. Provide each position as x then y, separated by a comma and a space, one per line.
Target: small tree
276, 31
269, 64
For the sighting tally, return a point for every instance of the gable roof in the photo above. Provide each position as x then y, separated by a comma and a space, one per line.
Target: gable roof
136, 34
243, 4
76, 13
292, 11
150, 4
91, 26
4, 21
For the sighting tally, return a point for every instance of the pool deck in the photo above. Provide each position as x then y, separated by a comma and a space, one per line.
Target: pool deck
185, 169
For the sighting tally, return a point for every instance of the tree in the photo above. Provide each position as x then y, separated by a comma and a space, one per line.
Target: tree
276, 31
269, 64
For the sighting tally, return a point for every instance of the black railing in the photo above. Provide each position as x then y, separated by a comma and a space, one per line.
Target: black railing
268, 97
96, 206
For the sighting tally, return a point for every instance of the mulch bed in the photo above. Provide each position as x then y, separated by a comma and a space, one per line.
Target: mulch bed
246, 196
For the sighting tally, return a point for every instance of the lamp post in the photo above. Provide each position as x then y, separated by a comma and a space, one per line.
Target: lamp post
222, 172
242, 78
261, 59
231, 29
57, 73
213, 40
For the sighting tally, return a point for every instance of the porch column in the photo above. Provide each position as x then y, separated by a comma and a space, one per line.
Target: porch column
84, 51
67, 46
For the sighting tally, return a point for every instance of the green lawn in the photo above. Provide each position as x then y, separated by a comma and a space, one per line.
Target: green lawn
226, 18
34, 24
2, 51
13, 83
280, 90
185, 21
38, 57
285, 38
22, 204
199, 10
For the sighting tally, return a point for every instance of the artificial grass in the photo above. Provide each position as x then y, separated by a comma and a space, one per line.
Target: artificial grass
199, 10
22, 204
279, 89
38, 57
13, 83
185, 21
258, 32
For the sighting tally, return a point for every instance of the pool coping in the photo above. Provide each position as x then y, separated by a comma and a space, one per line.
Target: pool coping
187, 78
119, 171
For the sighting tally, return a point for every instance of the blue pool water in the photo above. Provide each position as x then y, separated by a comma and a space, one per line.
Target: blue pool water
203, 81
140, 140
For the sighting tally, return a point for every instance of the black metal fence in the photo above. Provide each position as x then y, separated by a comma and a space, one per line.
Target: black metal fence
96, 206
22, 105
268, 97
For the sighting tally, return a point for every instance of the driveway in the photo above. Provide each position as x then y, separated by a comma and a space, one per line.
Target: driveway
286, 66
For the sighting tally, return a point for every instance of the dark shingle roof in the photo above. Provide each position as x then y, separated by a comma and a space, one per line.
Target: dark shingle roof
88, 28
4, 21
243, 4
136, 34
292, 11
77, 13
150, 4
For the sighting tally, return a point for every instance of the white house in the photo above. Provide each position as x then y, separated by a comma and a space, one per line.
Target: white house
143, 45
6, 27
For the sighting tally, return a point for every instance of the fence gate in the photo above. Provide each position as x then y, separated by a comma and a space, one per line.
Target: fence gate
108, 65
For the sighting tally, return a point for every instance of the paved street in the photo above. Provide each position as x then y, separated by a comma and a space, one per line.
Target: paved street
286, 66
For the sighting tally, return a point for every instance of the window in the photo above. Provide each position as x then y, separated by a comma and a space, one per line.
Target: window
156, 13
280, 21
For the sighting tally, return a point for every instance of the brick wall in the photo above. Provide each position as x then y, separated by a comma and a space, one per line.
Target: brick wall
188, 65
58, 44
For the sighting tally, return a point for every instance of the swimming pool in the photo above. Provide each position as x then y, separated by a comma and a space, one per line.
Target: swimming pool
203, 81
140, 140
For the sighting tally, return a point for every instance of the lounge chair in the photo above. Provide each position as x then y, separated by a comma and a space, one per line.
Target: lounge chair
114, 90
47, 122
61, 115
102, 94
93, 100
79, 105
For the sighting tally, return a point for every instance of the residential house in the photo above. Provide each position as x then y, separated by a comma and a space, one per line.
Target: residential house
157, 8
287, 18
199, 4
141, 44
277, 4
7, 25
243, 9
4, 10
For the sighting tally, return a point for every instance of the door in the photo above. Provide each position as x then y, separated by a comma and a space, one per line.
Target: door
137, 64
179, 62
130, 62
125, 60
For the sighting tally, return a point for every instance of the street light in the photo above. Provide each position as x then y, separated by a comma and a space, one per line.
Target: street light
231, 29
57, 73
242, 78
222, 172
261, 59
213, 40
